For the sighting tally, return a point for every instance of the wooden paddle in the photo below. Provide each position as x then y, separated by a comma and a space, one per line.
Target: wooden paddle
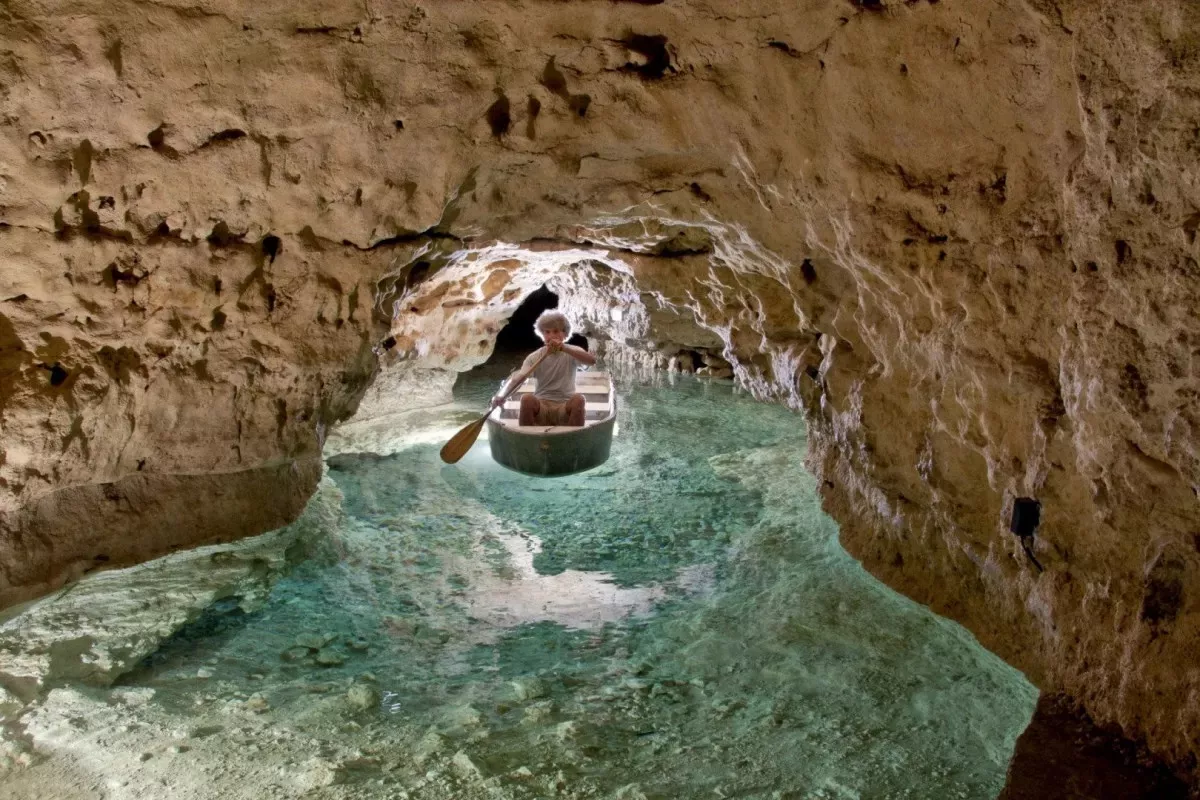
461, 442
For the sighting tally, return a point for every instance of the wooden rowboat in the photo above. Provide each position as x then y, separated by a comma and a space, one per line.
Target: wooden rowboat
549, 450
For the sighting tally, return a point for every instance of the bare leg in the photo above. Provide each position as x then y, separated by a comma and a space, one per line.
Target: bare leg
529, 410
576, 410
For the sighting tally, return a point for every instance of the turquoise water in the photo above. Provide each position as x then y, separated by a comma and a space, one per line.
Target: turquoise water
678, 623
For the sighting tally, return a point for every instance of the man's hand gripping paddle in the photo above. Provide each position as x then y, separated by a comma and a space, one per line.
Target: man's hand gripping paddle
461, 442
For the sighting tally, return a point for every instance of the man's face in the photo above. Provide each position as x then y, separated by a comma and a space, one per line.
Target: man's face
555, 336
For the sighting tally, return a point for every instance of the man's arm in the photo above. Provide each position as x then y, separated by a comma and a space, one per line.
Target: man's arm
515, 380
579, 354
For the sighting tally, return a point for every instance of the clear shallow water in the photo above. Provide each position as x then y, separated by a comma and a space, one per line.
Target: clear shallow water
679, 623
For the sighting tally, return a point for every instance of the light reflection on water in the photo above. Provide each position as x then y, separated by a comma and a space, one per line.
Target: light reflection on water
516, 594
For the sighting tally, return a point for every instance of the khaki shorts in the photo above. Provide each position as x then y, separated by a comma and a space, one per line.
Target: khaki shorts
551, 413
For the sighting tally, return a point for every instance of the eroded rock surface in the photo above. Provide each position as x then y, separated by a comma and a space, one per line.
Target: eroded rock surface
961, 237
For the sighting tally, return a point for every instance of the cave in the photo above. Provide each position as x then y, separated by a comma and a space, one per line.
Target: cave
903, 500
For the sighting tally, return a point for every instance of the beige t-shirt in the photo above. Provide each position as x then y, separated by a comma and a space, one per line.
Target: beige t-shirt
555, 376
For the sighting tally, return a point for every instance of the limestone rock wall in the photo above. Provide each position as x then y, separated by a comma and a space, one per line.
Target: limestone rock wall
961, 236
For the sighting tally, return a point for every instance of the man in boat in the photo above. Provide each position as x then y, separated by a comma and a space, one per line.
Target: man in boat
555, 401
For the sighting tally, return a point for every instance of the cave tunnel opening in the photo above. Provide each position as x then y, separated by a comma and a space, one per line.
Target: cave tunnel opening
518, 338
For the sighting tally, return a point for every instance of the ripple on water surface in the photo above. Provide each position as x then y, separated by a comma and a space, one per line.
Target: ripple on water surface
678, 623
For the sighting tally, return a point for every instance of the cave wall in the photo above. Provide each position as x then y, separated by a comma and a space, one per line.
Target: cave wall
960, 236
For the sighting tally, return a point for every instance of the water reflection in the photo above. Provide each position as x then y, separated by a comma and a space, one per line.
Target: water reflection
513, 593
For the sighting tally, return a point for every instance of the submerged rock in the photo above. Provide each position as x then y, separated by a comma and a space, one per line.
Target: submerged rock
9, 704
100, 628
567, 731
330, 658
258, 703
363, 696
465, 766
314, 641
430, 745
462, 717
528, 689
630, 792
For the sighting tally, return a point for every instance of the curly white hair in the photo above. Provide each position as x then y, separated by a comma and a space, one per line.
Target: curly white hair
552, 320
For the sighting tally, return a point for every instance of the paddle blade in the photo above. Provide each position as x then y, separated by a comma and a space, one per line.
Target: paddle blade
461, 442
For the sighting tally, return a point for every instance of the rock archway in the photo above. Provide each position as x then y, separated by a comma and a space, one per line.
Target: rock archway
960, 237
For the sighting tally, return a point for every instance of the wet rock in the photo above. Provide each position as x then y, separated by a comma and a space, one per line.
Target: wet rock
537, 713
465, 767
330, 658
134, 698
558, 783
462, 717
257, 703
314, 641
363, 696
430, 745
399, 626
316, 773
719, 373
526, 689
10, 704
14, 754
665, 690
294, 654
630, 792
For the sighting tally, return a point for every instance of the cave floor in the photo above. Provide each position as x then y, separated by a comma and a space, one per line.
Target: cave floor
678, 623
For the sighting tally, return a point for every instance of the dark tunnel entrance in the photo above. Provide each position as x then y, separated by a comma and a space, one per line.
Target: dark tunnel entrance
517, 339
518, 336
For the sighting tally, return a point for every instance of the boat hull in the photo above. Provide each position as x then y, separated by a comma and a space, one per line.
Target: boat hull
543, 452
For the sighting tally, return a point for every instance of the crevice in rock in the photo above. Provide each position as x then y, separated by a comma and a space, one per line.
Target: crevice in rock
81, 160
534, 107
221, 236
784, 48
556, 83
158, 142
653, 49
271, 246
227, 135
499, 116
115, 57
